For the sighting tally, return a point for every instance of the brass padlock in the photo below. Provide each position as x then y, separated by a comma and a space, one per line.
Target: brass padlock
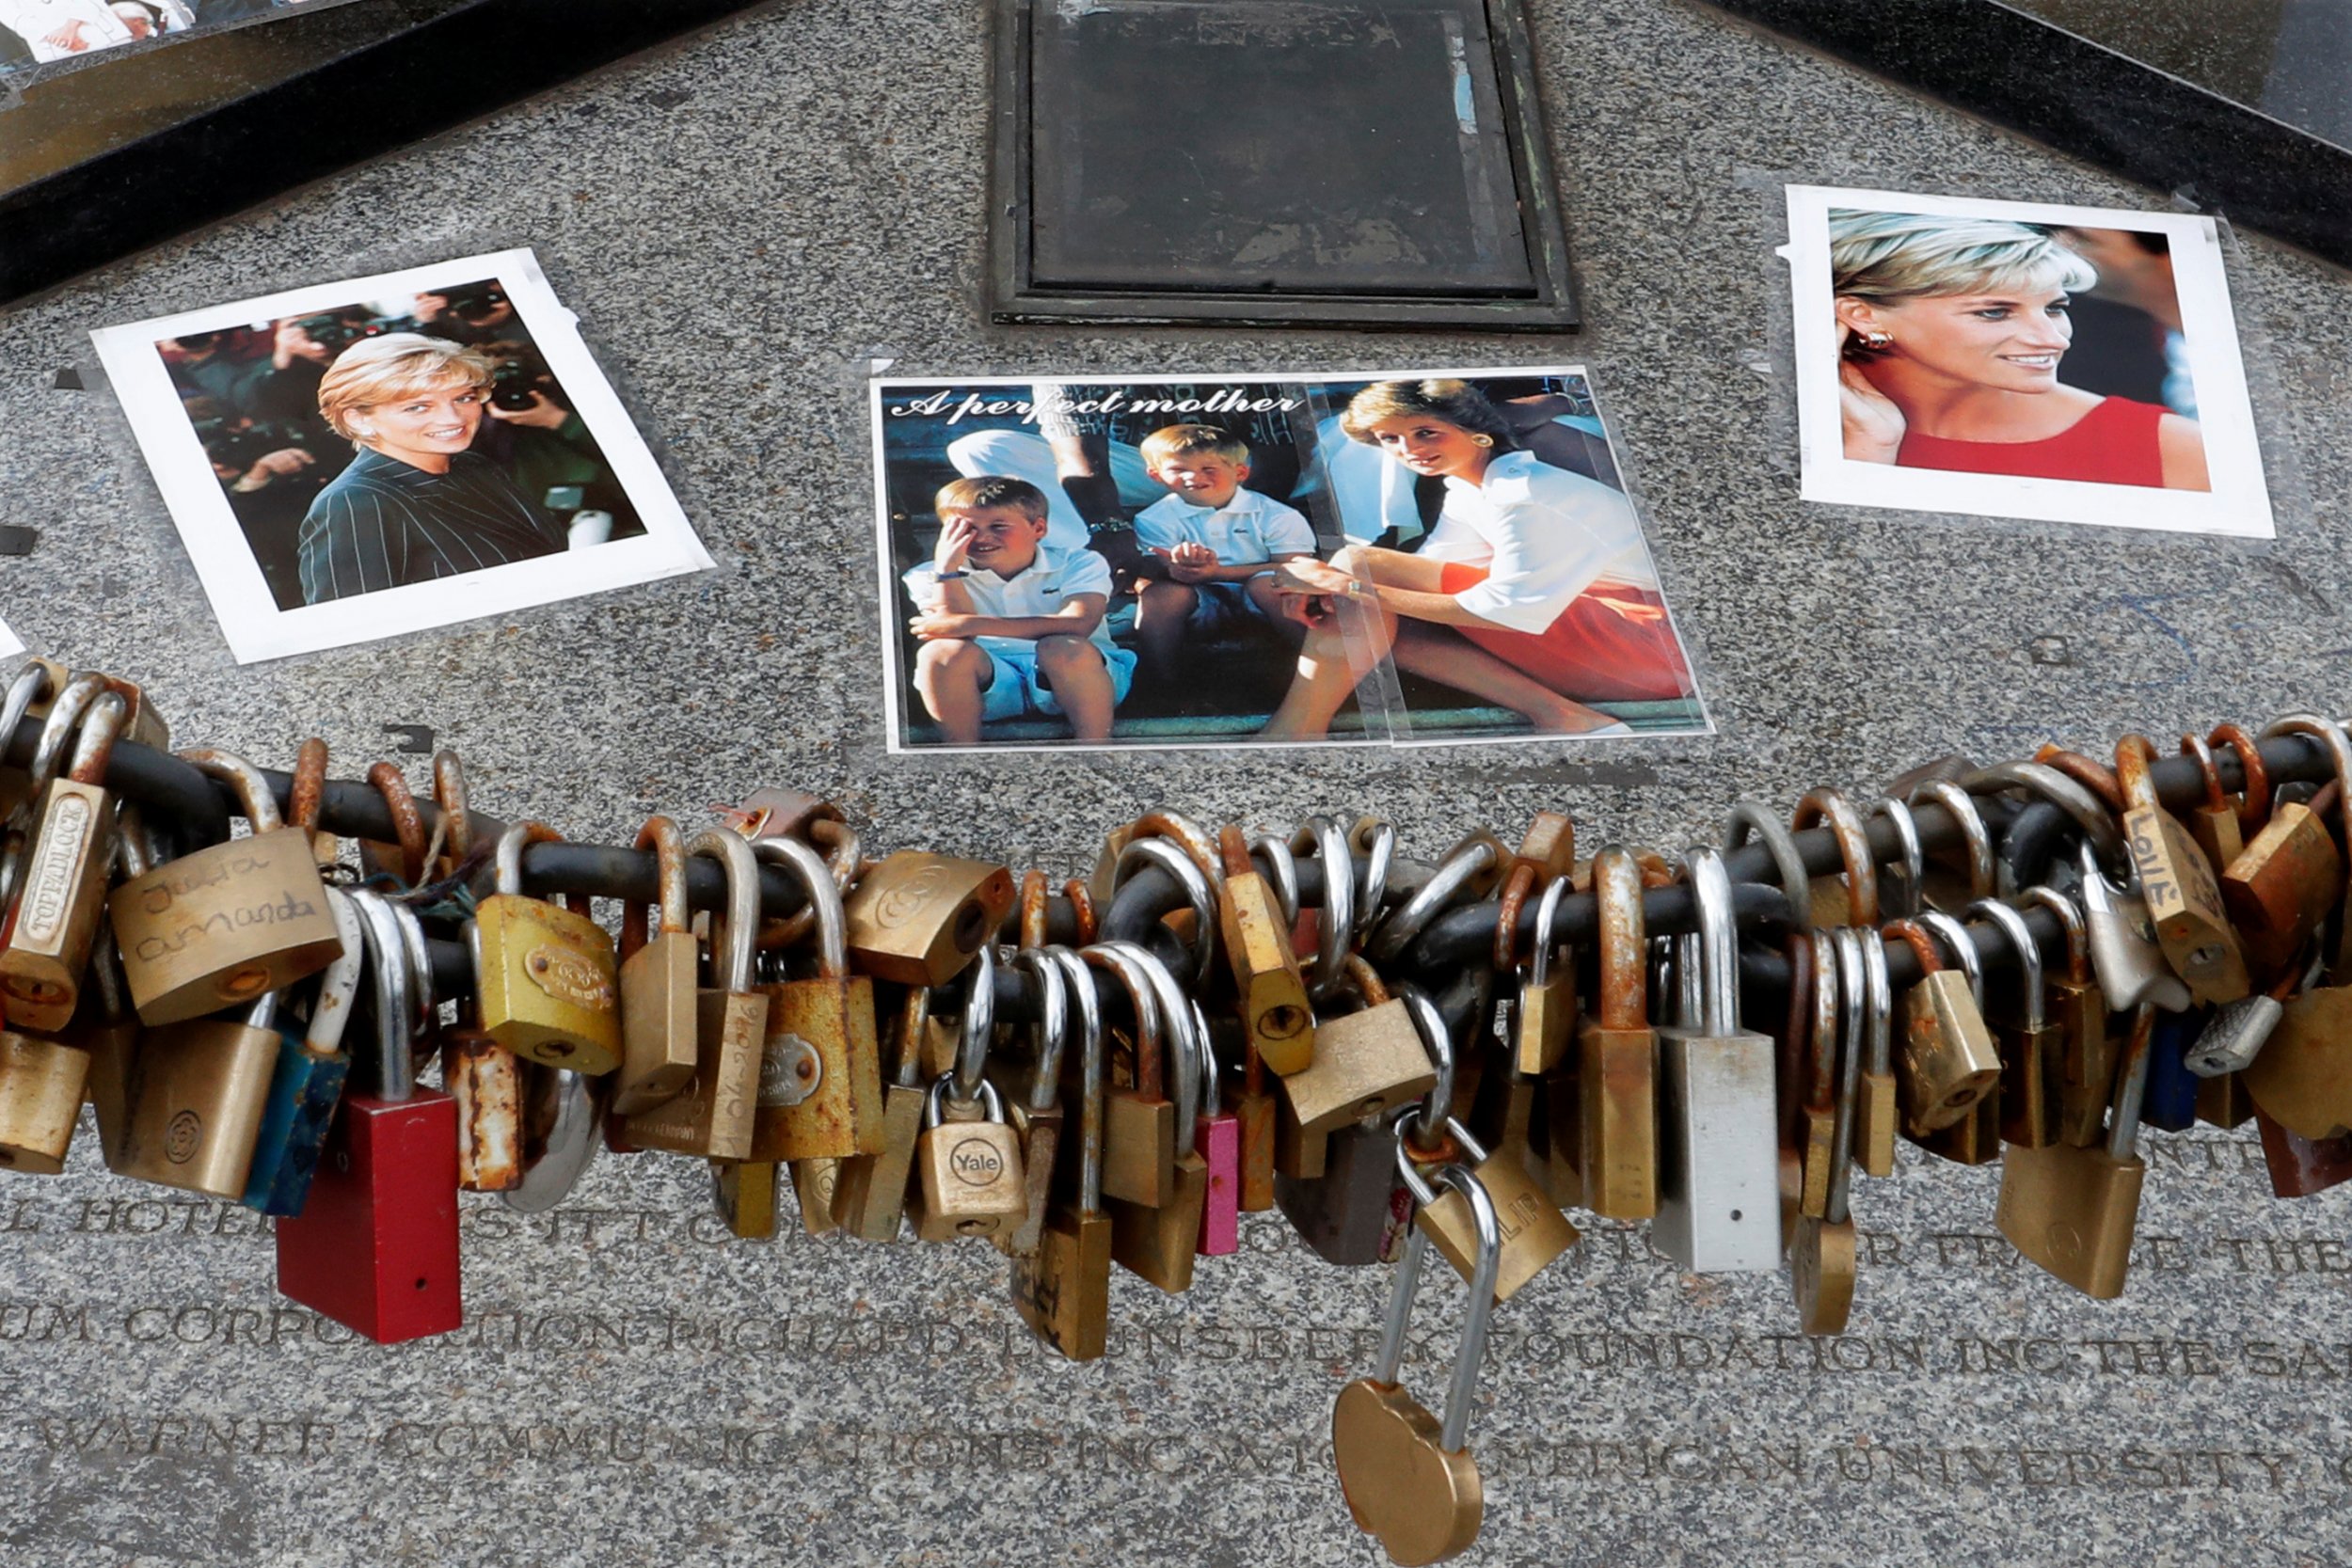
45, 941
1411, 1481
2279, 904
548, 986
1975, 1138
1062, 1292
969, 1172
221, 927
1617, 1055
2033, 1050
1037, 1115
820, 1070
1949, 1062
2074, 1210
744, 1194
1139, 1119
1158, 1243
658, 1040
1876, 1108
870, 1195
2088, 1076
712, 1116
816, 1188
1534, 1229
2192, 926
1821, 1261
1366, 1064
195, 1099
1546, 1005
2213, 821
918, 918
41, 1101
1266, 978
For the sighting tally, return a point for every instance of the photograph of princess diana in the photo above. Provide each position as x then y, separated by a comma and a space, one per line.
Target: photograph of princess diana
1422, 556
393, 453
2021, 360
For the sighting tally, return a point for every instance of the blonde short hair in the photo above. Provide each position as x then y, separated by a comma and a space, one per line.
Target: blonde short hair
1176, 439
985, 492
394, 366
1900, 256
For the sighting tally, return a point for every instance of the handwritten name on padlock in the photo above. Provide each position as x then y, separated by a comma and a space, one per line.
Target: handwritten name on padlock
161, 889
221, 923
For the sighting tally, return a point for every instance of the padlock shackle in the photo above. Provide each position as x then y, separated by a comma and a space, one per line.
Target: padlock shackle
1087, 1003
1373, 839
1198, 844
1829, 1014
1715, 949
2253, 772
1339, 925
58, 727
1878, 999
245, 782
1212, 1081
30, 684
1200, 894
1477, 1317
1830, 808
1849, 979
569, 1145
507, 867
1438, 1040
2330, 735
1182, 1072
1281, 874
2070, 919
1923, 949
94, 738
1910, 859
1623, 939
2134, 754
935, 1101
736, 928
1465, 863
2026, 951
2088, 811
814, 876
661, 835
388, 957
1150, 1032
1976, 838
1749, 818
1955, 936
414, 839
2131, 1084
448, 798
338, 989
1546, 929
1052, 1023
2200, 751
976, 1024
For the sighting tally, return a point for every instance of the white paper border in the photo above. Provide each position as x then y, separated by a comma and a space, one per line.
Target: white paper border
2238, 505
250, 618
897, 682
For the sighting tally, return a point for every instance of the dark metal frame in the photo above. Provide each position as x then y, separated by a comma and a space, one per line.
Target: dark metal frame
415, 82
2177, 137
1015, 296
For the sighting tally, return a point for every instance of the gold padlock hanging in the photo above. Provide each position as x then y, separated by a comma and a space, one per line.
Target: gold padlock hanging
550, 990
820, 1092
61, 890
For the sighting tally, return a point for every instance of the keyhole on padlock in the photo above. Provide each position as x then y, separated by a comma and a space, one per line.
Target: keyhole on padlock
970, 928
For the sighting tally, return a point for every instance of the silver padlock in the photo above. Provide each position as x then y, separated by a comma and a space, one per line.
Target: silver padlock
1719, 1155
2123, 950
2237, 1031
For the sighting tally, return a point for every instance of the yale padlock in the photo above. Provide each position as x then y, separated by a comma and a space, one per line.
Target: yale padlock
1410, 1481
713, 1115
308, 1082
375, 1246
916, 918
970, 1171
218, 928
658, 982
821, 1066
61, 891
548, 989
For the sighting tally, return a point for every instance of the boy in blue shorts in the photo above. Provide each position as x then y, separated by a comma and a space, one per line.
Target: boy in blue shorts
1220, 543
1007, 624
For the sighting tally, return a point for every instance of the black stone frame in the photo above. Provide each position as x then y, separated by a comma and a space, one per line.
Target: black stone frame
2112, 110
415, 82
1016, 297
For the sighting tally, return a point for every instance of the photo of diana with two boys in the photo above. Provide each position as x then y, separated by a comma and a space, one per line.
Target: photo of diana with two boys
1206, 562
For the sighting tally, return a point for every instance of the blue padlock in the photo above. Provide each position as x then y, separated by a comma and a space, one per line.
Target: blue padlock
2170, 1100
308, 1082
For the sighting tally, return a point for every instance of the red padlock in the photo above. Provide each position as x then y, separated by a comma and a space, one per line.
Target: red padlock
376, 1246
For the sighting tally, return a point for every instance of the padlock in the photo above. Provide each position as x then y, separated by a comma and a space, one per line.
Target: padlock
658, 1040
2280, 889
41, 1082
548, 988
1217, 1139
1949, 1062
2299, 1079
1813, 1025
918, 918
45, 940
2213, 821
1617, 1055
969, 1172
1853, 900
1821, 1249
1335, 921
308, 1082
2033, 1050
1366, 1063
815, 1189
1943, 886
486, 1082
1037, 1115
1973, 1138
2184, 900
2301, 1166
820, 1068
1546, 1005
1718, 1157
713, 1115
2124, 953
375, 1246
2074, 1210
2167, 1101
744, 1194
107, 1026
1139, 1119
2237, 1031
1410, 1481
195, 1097
562, 1112
1266, 979
2087, 1077
1158, 1243
1062, 1292
870, 1193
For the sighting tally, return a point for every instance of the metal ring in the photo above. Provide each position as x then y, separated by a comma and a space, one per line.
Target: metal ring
1457, 871
1281, 869
980, 1010
1858, 862
1960, 806
1436, 1040
1915, 863
1749, 818
2089, 813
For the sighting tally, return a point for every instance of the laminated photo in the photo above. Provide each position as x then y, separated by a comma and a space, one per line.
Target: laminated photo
1424, 555
47, 37
2021, 360
355, 460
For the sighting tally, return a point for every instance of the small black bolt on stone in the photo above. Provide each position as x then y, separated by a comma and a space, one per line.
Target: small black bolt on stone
70, 380
414, 739
18, 541
2050, 650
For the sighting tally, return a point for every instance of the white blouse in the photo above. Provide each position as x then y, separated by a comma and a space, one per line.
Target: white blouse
1545, 536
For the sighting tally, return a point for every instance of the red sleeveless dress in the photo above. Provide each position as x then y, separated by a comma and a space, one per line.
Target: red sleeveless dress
2113, 444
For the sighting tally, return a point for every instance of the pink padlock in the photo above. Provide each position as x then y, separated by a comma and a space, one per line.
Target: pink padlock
1217, 1138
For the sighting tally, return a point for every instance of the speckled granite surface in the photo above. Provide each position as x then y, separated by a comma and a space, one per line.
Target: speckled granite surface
742, 222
